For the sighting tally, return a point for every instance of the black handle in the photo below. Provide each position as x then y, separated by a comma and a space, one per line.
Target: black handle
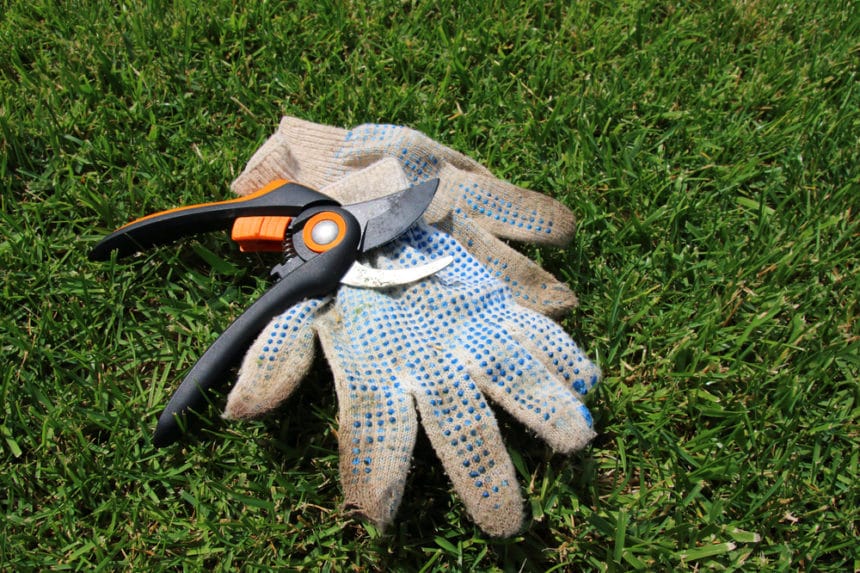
286, 199
317, 276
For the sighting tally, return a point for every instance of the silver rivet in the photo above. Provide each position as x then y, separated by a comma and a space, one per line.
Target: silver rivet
324, 232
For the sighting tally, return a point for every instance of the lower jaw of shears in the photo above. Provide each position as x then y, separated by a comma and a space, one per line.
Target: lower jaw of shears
361, 276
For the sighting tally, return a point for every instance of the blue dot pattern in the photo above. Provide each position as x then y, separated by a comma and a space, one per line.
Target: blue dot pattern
392, 364
444, 346
290, 330
477, 196
276, 362
526, 362
366, 144
480, 203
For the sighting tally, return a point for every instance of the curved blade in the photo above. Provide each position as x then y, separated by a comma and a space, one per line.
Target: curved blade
386, 218
362, 276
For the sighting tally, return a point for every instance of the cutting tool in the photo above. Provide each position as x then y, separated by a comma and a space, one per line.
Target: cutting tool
321, 240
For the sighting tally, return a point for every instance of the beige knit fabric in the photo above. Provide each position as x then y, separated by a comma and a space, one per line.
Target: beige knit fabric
318, 156
400, 359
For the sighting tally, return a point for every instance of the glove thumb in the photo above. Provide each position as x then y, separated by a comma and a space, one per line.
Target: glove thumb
276, 363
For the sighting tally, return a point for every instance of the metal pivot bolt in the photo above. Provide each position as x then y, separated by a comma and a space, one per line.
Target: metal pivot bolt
324, 232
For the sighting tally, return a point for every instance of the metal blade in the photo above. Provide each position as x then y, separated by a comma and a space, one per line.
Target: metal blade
361, 276
386, 218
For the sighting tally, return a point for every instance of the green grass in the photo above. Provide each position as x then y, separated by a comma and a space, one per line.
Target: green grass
711, 152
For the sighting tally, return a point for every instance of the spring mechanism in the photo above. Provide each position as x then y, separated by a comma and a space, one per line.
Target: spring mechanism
289, 249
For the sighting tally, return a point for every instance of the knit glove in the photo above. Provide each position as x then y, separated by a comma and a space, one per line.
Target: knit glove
437, 349
470, 204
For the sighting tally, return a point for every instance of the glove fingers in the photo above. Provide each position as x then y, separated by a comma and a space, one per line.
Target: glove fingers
356, 148
275, 363
377, 419
466, 438
382, 348
505, 210
464, 299
548, 342
318, 155
469, 189
525, 388
485, 260
530, 285
377, 430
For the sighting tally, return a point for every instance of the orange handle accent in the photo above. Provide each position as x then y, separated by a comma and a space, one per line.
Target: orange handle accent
260, 234
273, 185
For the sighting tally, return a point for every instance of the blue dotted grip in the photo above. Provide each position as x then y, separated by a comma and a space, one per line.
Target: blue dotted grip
444, 347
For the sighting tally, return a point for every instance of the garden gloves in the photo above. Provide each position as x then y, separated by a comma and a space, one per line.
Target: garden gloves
436, 352
470, 204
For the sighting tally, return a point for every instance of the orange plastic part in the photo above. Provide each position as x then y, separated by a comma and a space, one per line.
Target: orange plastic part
307, 232
260, 234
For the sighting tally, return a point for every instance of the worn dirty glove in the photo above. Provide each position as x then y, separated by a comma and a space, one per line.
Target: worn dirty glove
437, 349
471, 204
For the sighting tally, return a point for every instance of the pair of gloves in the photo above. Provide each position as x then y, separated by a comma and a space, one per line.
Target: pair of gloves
436, 352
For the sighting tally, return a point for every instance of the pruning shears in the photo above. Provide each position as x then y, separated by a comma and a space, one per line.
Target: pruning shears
321, 240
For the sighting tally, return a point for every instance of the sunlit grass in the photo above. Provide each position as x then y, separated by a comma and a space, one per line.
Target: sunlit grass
711, 156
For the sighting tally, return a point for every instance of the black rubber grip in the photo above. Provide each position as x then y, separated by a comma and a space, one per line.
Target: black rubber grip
287, 200
318, 276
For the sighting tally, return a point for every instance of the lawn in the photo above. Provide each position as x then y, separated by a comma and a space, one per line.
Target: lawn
710, 151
